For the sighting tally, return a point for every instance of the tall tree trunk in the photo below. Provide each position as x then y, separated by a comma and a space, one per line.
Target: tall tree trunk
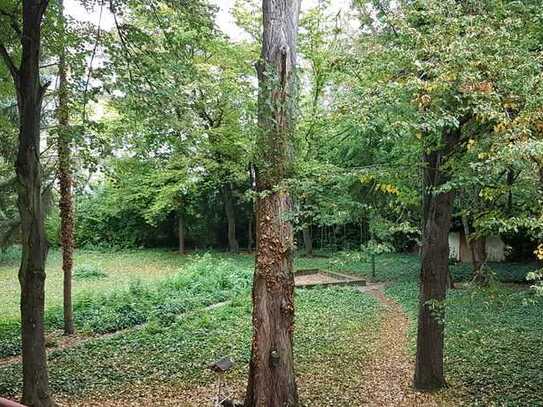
308, 240
65, 182
252, 187
437, 212
27, 167
181, 232
271, 374
233, 244
250, 240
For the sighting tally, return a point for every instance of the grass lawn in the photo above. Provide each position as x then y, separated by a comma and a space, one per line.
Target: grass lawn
120, 269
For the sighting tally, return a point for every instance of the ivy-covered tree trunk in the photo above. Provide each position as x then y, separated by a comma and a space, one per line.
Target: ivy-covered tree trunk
65, 183
437, 213
271, 374
29, 184
233, 244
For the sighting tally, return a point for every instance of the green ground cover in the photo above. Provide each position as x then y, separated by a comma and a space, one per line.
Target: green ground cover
168, 350
493, 336
493, 342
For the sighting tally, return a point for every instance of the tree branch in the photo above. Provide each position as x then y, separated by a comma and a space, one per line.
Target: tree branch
10, 64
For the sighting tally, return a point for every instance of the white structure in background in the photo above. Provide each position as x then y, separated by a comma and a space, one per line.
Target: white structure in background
458, 248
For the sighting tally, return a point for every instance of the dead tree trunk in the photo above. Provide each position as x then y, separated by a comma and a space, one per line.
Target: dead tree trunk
271, 374
437, 212
65, 183
34, 244
233, 244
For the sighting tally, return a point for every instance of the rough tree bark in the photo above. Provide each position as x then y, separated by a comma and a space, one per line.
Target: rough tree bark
271, 374
233, 244
65, 183
27, 167
437, 213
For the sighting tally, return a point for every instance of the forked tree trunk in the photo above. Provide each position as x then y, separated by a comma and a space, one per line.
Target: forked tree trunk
271, 374
233, 244
308, 240
65, 183
437, 212
33, 240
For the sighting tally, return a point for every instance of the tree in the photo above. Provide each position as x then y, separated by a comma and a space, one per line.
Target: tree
65, 179
30, 93
271, 374
437, 212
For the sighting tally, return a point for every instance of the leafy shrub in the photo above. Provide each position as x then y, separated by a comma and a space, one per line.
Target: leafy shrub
88, 272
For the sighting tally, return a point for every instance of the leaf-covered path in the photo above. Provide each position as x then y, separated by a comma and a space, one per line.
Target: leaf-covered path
387, 376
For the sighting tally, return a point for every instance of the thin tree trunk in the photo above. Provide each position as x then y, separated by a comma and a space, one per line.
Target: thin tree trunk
250, 240
29, 183
65, 184
271, 373
437, 213
181, 233
233, 244
308, 240
477, 249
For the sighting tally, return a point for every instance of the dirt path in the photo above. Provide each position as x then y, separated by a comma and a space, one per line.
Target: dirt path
388, 374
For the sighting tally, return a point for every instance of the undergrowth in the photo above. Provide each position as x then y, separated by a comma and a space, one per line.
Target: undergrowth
206, 280
179, 352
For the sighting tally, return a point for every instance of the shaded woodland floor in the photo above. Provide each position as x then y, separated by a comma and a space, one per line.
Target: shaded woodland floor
352, 348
